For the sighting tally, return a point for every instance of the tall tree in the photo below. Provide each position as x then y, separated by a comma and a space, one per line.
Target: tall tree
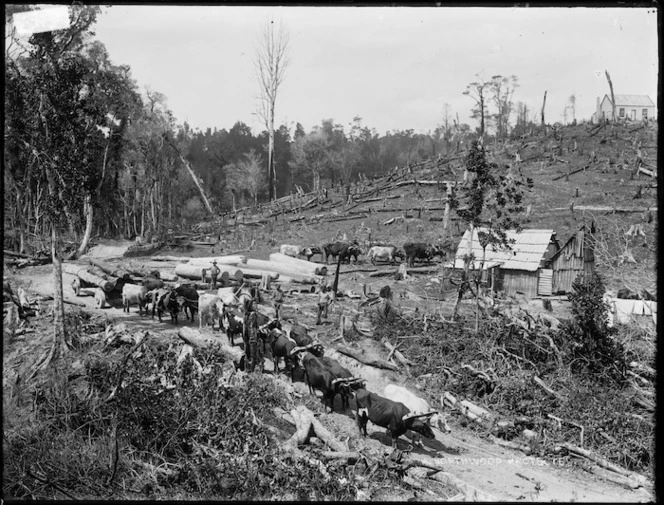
502, 90
248, 175
490, 203
271, 63
477, 91
310, 157
48, 121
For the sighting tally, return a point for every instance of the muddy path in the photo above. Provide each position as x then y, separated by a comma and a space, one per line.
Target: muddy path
498, 473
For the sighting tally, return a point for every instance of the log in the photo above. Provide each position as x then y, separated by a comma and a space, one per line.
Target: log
309, 267
198, 338
142, 249
110, 270
17, 255
231, 259
272, 266
570, 173
478, 411
177, 259
397, 354
306, 425
366, 360
414, 270
84, 275
636, 477
194, 272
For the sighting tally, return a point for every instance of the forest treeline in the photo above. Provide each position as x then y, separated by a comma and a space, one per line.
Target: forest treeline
88, 150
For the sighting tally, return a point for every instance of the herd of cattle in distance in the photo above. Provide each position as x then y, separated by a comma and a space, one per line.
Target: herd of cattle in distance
344, 251
398, 410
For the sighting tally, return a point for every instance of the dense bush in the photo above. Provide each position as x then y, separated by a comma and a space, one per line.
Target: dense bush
594, 347
581, 360
188, 434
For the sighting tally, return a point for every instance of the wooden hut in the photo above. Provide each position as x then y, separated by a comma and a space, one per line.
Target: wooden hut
575, 257
520, 268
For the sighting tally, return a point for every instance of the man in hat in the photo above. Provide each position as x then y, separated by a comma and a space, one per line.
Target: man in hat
324, 299
251, 327
214, 273
278, 300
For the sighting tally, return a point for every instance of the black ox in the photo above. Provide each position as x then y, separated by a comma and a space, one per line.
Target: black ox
421, 251
343, 250
394, 416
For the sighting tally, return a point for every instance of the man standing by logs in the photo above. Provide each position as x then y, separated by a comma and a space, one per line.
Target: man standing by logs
278, 300
324, 299
214, 273
255, 355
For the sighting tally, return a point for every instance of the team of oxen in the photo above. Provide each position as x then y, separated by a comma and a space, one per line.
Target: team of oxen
345, 251
398, 410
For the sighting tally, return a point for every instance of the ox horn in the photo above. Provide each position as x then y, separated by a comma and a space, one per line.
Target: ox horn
414, 415
295, 350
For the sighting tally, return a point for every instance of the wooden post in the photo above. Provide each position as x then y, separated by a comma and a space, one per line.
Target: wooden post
543, 105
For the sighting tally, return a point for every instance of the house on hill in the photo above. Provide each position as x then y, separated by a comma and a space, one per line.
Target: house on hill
534, 265
633, 107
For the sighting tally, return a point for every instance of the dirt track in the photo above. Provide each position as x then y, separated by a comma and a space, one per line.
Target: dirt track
499, 473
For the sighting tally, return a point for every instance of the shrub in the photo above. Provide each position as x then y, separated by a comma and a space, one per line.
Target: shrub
594, 347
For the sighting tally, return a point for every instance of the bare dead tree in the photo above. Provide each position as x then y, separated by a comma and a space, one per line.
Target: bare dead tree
271, 63
477, 91
543, 105
613, 99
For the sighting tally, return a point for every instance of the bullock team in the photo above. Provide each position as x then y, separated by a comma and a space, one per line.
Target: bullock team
397, 410
384, 253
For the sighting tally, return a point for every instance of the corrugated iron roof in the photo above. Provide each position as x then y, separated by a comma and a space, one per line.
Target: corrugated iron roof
637, 100
526, 251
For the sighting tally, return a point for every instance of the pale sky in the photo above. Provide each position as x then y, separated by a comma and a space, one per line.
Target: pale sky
394, 67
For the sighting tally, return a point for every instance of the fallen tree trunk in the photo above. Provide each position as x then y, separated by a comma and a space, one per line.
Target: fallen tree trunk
84, 275
110, 270
195, 272
306, 426
365, 359
414, 270
309, 267
142, 249
176, 259
147, 270
196, 338
286, 269
229, 259
400, 357
636, 477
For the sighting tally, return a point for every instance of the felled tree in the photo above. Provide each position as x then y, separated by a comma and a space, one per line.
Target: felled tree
491, 202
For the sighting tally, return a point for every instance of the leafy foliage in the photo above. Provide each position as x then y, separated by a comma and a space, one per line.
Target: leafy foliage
595, 347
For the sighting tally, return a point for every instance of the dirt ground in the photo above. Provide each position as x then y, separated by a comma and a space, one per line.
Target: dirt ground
498, 473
